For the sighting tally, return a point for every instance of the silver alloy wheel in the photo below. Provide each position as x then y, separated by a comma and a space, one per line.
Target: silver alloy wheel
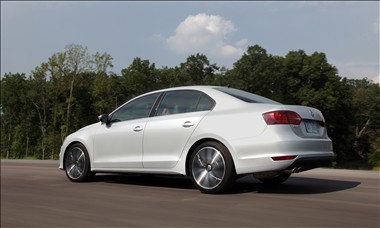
75, 163
208, 167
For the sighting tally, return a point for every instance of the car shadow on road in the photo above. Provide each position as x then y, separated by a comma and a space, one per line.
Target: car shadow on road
294, 185
164, 181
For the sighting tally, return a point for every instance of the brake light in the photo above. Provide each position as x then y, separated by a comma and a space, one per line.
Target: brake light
282, 117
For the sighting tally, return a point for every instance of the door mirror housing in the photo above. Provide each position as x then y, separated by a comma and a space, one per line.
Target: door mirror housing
104, 118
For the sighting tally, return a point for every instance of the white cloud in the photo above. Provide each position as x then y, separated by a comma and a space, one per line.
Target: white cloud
241, 43
229, 50
206, 34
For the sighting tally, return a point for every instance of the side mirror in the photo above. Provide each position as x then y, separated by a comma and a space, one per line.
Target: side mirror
104, 118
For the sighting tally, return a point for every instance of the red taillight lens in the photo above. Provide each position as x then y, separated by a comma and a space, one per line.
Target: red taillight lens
284, 158
282, 117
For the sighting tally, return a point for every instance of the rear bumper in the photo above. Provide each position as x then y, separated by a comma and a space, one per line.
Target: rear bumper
253, 156
303, 164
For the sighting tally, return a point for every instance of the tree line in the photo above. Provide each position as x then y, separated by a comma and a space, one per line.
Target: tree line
73, 87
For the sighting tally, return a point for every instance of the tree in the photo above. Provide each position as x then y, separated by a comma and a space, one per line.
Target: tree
100, 93
38, 96
102, 62
256, 72
16, 116
197, 70
374, 156
140, 77
66, 66
366, 106
77, 62
171, 77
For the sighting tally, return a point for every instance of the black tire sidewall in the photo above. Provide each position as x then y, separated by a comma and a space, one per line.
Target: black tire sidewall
230, 173
86, 174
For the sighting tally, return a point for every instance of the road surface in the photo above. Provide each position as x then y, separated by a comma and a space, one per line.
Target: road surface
38, 194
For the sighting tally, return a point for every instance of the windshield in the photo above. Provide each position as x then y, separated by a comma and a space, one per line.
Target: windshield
246, 96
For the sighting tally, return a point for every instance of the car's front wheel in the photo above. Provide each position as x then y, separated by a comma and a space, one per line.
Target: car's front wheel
77, 163
212, 168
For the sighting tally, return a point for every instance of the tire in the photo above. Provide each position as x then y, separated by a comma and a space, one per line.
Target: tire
280, 178
211, 168
77, 164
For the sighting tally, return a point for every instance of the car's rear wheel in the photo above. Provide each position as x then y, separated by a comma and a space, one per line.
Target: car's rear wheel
77, 164
280, 178
212, 168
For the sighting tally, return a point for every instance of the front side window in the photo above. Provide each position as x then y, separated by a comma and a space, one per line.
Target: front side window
139, 108
176, 102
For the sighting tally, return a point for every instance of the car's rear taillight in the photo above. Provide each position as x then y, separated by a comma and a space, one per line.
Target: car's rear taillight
284, 158
282, 117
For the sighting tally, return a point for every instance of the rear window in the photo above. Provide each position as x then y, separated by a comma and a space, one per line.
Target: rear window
245, 96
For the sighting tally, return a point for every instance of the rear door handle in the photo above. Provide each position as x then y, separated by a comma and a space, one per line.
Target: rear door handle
187, 124
137, 129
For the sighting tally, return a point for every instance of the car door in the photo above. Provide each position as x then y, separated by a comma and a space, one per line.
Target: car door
166, 134
118, 144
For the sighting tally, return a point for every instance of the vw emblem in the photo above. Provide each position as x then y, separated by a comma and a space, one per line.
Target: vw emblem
311, 113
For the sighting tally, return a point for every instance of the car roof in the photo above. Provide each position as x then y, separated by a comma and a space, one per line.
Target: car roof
208, 89
194, 87
219, 96
222, 99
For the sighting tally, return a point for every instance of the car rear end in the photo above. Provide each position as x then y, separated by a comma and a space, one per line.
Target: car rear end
307, 145
294, 140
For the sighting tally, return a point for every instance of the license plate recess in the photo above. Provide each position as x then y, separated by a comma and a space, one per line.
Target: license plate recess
311, 127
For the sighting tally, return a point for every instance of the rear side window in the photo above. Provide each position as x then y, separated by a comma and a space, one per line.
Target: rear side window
205, 103
246, 96
184, 101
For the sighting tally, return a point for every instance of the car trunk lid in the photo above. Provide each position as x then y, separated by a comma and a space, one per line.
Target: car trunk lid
312, 124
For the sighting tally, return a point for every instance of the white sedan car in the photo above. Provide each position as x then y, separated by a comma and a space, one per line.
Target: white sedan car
212, 134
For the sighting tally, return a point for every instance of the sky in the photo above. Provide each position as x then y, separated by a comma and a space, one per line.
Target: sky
167, 32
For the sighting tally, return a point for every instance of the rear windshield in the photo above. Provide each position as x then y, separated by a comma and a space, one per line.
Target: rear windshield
245, 96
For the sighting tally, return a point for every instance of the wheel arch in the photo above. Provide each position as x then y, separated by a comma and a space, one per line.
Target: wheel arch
69, 146
195, 145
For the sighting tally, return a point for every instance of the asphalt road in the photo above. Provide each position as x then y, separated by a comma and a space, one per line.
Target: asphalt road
38, 194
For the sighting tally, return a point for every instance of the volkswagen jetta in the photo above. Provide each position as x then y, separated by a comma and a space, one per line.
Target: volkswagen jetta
212, 134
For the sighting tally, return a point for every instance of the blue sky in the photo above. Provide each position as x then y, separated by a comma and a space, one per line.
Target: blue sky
166, 33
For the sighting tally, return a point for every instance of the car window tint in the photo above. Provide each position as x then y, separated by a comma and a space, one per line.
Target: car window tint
139, 108
205, 103
175, 102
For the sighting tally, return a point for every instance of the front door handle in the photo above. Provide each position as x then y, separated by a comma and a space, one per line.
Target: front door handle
137, 129
187, 124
